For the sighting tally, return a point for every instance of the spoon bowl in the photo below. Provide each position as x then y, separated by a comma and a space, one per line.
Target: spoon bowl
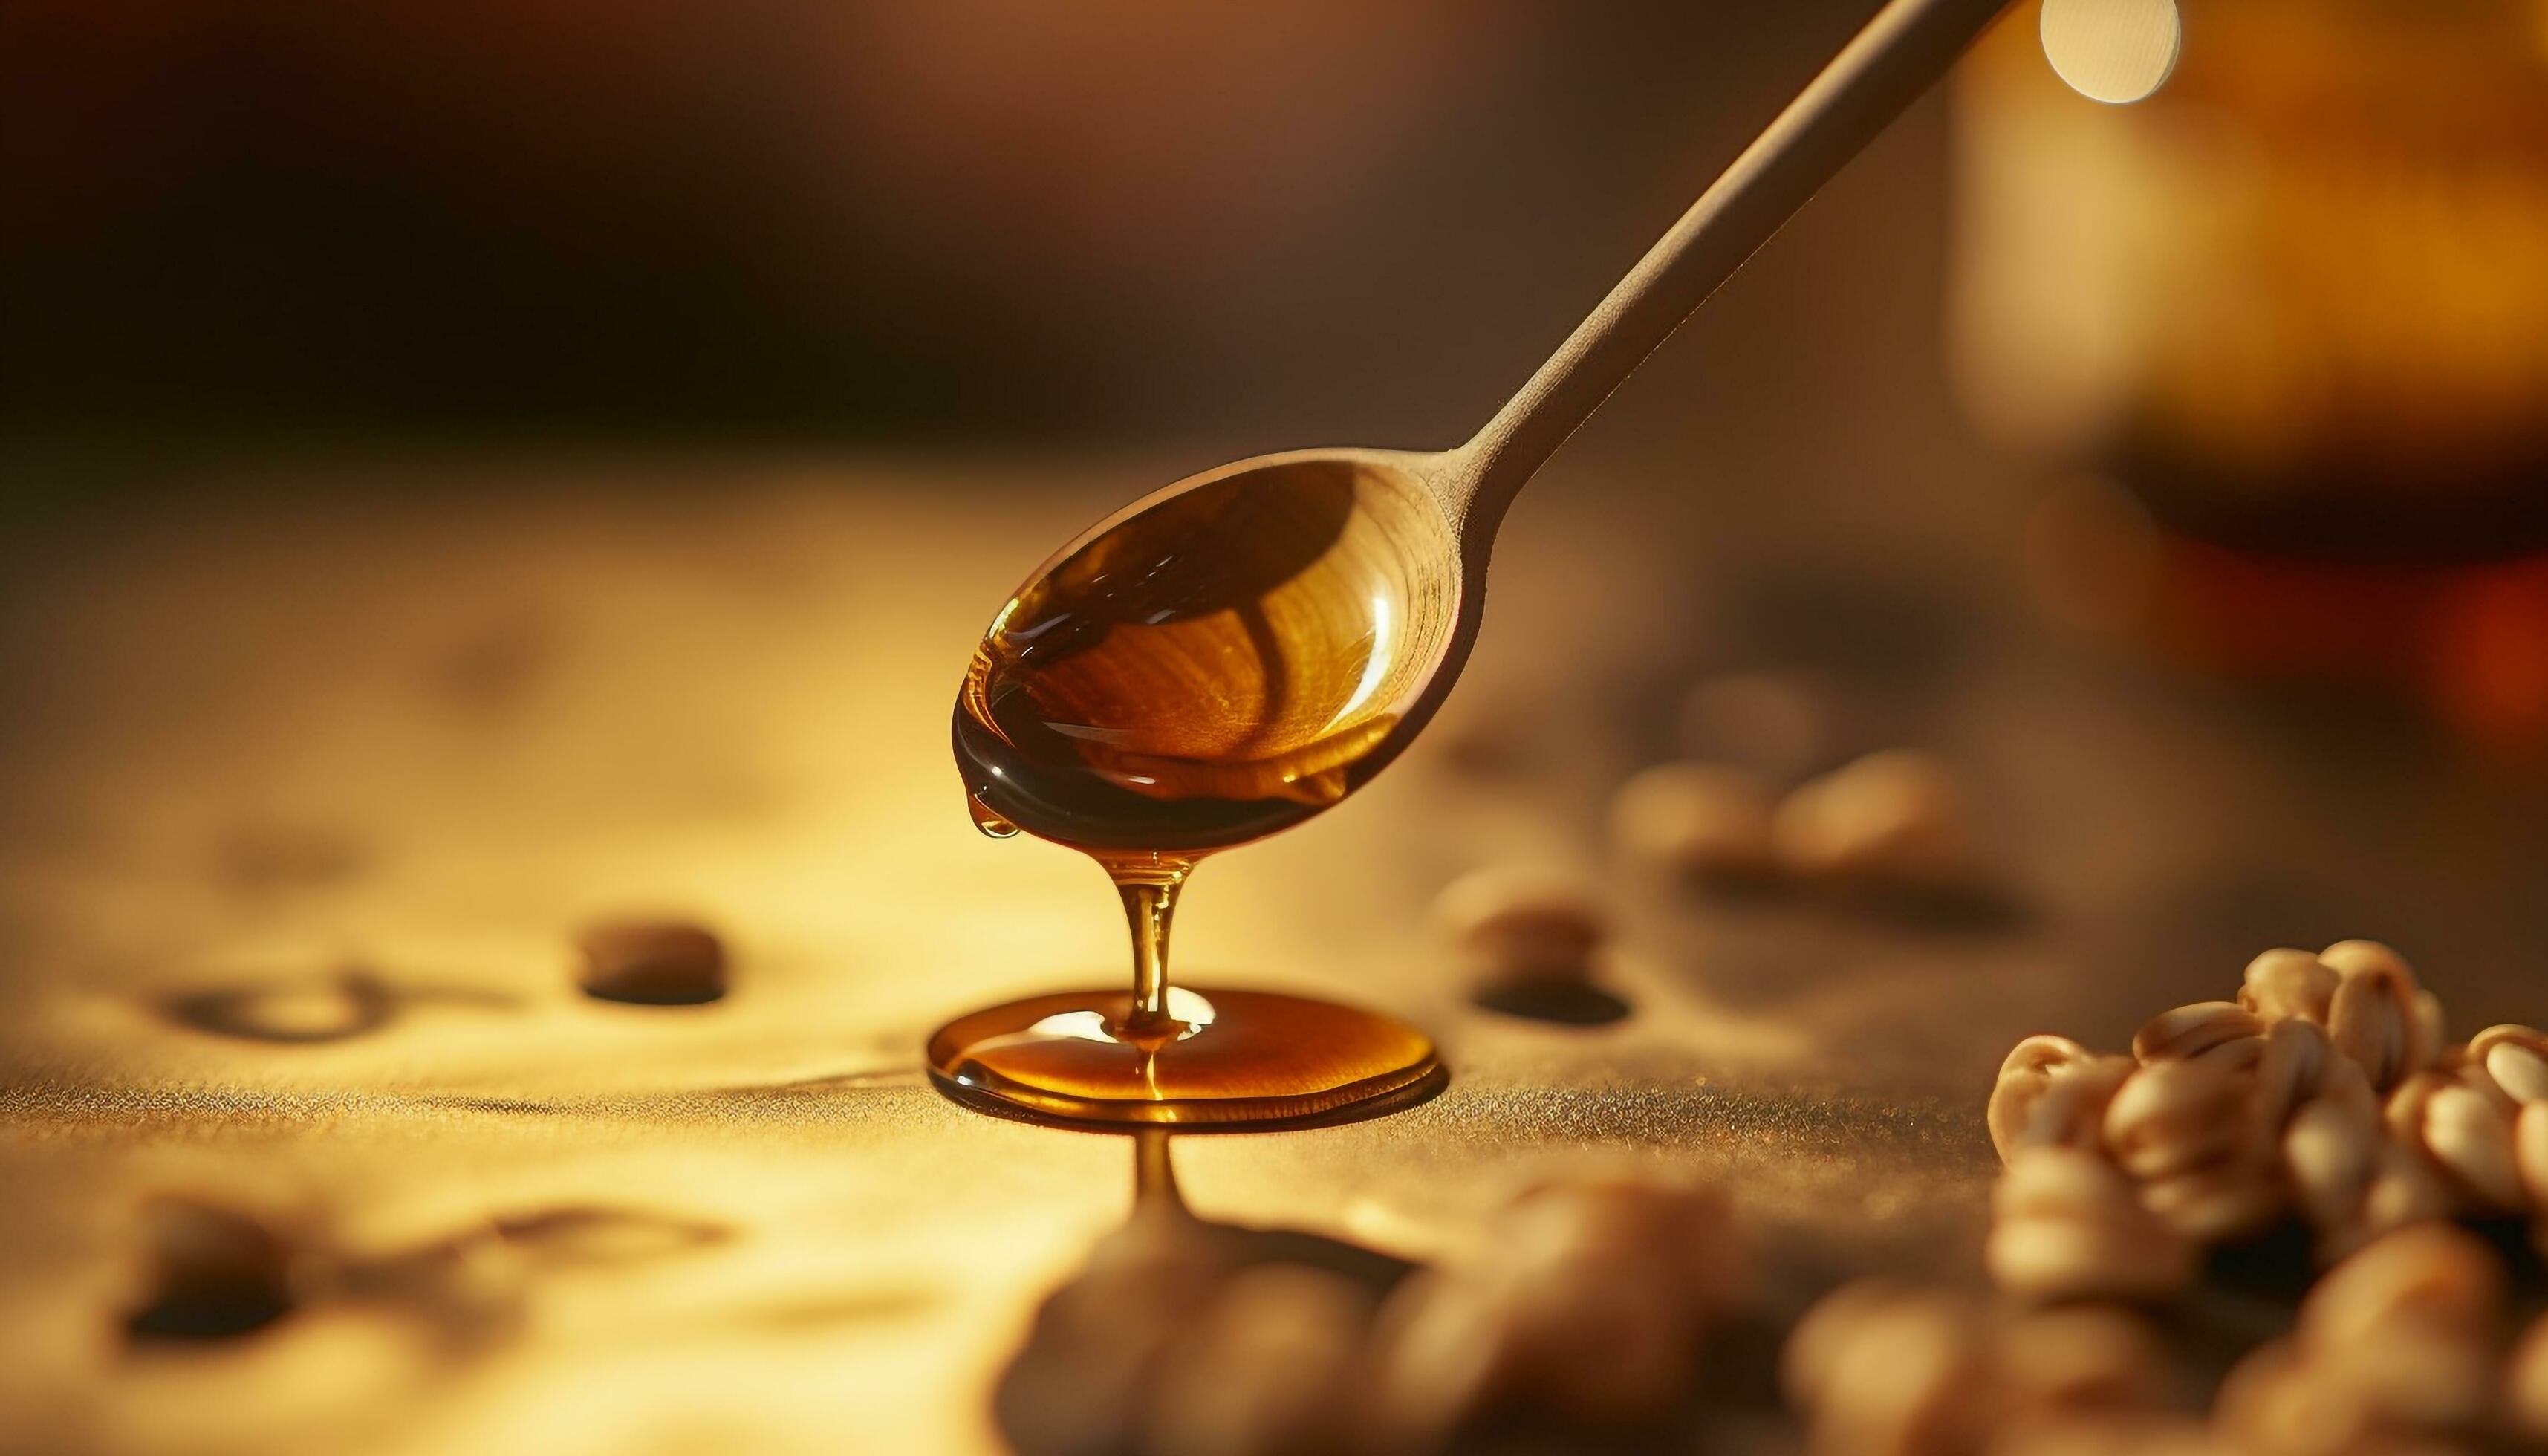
1223, 658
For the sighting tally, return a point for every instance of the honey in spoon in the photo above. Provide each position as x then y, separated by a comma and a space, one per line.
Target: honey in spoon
1217, 663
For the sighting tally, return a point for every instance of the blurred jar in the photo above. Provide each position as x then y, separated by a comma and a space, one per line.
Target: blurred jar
2294, 309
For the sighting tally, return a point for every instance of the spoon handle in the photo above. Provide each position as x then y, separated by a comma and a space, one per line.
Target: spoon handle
1906, 48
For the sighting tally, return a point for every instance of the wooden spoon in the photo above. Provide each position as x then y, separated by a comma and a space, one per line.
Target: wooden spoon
1233, 654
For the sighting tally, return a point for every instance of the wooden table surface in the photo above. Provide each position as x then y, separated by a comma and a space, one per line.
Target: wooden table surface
429, 723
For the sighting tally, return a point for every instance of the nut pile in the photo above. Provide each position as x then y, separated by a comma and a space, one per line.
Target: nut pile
2396, 1349
2325, 1091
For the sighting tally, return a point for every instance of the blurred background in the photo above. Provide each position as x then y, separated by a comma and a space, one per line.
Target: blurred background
986, 220
2295, 307
828, 221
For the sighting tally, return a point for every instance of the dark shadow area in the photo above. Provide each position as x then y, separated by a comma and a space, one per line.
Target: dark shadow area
1573, 1006
351, 1004
213, 1273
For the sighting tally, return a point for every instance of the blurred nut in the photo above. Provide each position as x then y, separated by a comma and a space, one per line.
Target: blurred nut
2433, 1276
1776, 723
2404, 1190
2204, 1027
2172, 1117
2515, 1058
2263, 1397
1442, 1359
1601, 1344
2328, 1152
2067, 1225
2067, 1258
2022, 1077
1681, 1236
1522, 924
2288, 983
2291, 1071
1819, 1340
2530, 1151
2369, 1021
2525, 1381
1492, 733
1591, 1316
2417, 1380
2226, 1203
2370, 958
1089, 1355
2342, 1081
1270, 1369
1594, 1344
2402, 1112
1906, 1374
2427, 1031
2468, 1142
2077, 1358
652, 962
1694, 819
2042, 1052
2059, 1182
2473, 1075
2471, 1139
2506, 1032
2274, 1401
2393, 1343
1896, 815
2105, 1434
2520, 1073
2070, 1111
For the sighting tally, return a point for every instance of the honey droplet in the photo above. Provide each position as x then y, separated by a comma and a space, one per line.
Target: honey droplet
988, 820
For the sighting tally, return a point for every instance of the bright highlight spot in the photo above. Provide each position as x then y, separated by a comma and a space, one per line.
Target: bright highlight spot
1374, 667
2113, 50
